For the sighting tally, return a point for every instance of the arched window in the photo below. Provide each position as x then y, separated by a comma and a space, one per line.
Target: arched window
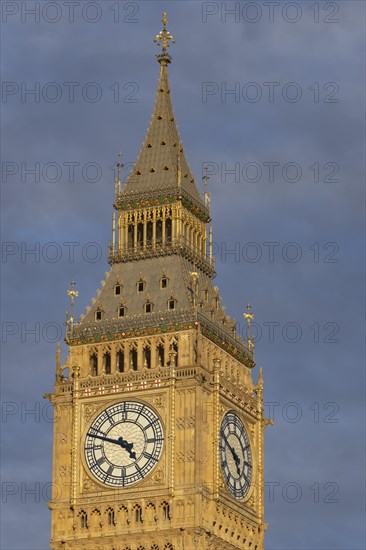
168, 231
159, 231
110, 516
147, 357
140, 235
149, 233
107, 362
166, 510
141, 286
148, 307
83, 517
120, 361
131, 235
94, 364
164, 282
161, 357
133, 359
138, 513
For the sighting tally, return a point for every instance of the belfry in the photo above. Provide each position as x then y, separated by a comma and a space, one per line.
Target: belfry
158, 432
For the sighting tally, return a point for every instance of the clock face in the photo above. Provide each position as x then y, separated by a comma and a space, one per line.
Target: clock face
235, 455
124, 444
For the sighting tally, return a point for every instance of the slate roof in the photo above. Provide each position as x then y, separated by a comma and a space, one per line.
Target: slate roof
162, 152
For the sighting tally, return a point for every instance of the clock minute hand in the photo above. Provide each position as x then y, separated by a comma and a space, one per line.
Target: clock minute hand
103, 438
233, 452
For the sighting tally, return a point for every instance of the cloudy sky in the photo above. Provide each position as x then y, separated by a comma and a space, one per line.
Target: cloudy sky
270, 98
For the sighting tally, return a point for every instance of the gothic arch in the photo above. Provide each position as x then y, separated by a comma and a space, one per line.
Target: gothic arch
83, 519
110, 516
150, 512
137, 513
165, 510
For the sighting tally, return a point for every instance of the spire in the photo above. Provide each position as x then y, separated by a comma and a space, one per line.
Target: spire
161, 165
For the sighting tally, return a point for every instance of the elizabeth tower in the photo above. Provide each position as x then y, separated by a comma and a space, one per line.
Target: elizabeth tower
158, 432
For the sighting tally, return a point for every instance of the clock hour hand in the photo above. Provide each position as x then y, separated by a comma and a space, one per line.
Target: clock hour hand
128, 446
120, 441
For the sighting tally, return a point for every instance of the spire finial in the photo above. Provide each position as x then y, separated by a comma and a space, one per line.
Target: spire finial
205, 178
73, 294
249, 316
162, 39
119, 169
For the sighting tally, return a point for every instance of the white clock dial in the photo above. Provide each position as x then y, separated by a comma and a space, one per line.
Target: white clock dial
124, 444
235, 455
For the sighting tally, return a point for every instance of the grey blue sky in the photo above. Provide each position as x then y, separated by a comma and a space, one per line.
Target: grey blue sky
291, 211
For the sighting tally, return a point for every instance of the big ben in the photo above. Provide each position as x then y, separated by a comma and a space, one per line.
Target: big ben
158, 432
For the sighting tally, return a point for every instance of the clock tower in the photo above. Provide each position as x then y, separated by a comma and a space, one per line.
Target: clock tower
158, 432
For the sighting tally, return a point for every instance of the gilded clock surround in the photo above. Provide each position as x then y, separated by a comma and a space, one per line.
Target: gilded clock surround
185, 362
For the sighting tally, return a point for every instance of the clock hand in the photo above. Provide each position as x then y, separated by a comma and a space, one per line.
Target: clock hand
120, 441
233, 452
127, 446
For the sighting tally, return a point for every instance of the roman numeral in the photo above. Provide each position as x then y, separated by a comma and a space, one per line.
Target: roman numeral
140, 413
110, 471
95, 431
110, 418
149, 457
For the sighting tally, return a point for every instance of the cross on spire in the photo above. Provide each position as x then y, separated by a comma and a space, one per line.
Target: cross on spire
162, 39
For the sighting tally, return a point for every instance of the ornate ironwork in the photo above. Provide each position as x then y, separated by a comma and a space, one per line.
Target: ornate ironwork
153, 196
179, 246
160, 322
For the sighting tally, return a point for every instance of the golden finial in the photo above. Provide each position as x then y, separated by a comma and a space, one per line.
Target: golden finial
73, 294
205, 179
119, 170
162, 39
249, 316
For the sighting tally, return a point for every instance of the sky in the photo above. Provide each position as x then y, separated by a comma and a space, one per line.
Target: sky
268, 96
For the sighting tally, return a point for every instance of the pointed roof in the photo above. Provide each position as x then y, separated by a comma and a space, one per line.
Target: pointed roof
162, 164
